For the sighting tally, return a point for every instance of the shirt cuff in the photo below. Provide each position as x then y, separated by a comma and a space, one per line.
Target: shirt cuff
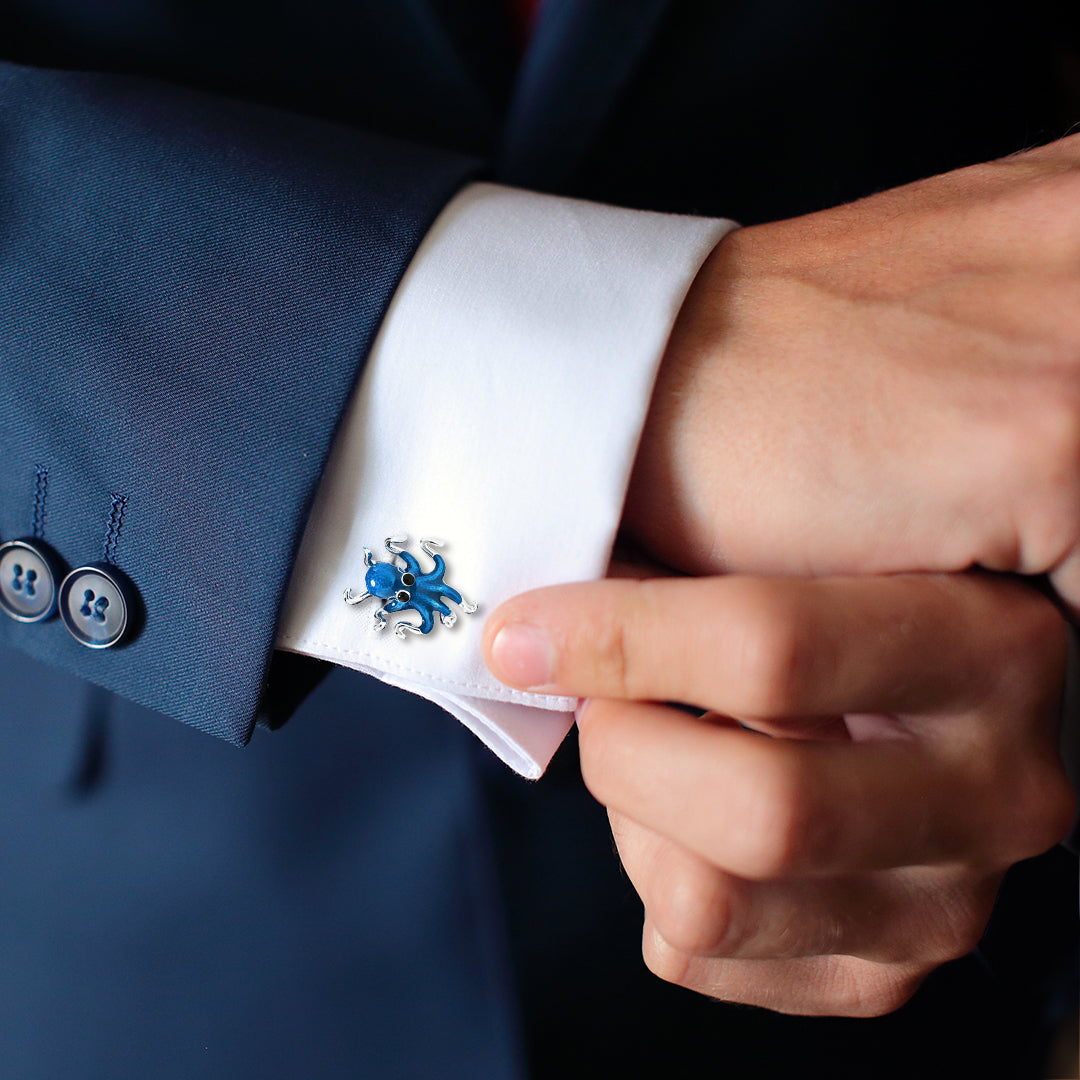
500, 411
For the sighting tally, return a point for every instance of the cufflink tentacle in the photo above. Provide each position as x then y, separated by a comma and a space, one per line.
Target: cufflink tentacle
406, 586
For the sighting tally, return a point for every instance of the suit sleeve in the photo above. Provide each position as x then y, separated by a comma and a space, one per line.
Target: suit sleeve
189, 288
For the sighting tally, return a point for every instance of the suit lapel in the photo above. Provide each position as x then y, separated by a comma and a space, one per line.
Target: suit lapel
581, 56
466, 55
480, 34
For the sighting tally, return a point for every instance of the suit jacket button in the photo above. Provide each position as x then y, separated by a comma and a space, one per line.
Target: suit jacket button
96, 605
29, 571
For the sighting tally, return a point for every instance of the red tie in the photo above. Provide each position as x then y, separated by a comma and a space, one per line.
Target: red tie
523, 12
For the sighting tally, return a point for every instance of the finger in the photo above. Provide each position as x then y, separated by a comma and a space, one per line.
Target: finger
760, 647
810, 986
763, 808
924, 915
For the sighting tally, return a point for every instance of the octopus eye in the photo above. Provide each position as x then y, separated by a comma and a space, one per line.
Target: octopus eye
403, 595
408, 579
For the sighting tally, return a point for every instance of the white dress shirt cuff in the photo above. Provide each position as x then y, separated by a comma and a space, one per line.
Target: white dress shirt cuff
500, 411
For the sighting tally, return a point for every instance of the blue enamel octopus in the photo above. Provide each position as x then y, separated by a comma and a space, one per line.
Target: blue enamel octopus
409, 588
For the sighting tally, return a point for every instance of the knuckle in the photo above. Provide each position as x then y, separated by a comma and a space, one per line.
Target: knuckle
963, 937
1060, 813
1022, 780
1032, 442
1030, 809
1045, 635
663, 960
621, 642
781, 831
1026, 798
607, 638
693, 912
953, 926
1032, 659
1055, 431
1043, 812
774, 654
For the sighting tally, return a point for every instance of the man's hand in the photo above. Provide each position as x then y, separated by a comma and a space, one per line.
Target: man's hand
892, 385
827, 869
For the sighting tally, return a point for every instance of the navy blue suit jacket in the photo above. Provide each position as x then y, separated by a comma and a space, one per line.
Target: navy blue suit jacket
204, 211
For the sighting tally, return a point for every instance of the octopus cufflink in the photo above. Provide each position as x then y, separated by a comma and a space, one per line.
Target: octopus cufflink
409, 588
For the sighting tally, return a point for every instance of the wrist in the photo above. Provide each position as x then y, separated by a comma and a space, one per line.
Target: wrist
665, 510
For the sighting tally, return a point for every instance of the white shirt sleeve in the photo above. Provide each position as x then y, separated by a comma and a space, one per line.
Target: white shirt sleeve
499, 411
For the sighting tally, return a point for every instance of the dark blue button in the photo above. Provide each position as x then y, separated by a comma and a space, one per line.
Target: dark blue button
29, 572
96, 605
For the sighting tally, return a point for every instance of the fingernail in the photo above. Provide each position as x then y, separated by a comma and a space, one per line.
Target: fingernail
523, 655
